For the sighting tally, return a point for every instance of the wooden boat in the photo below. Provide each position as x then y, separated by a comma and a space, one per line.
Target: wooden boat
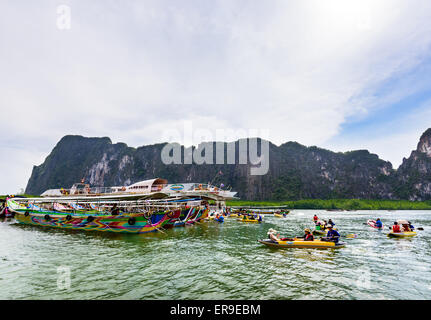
136, 223
130, 222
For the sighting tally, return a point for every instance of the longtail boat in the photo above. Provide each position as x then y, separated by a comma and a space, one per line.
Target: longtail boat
130, 222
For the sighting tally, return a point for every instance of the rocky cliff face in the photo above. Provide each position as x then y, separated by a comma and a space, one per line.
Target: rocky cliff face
295, 171
413, 177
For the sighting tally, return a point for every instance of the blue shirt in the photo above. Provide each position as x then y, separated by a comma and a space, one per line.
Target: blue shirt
333, 234
379, 224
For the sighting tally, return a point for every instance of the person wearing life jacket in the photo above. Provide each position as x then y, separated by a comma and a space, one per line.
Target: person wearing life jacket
396, 228
308, 236
315, 218
332, 234
379, 224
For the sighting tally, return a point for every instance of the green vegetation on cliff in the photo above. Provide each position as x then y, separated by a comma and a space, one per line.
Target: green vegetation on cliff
338, 204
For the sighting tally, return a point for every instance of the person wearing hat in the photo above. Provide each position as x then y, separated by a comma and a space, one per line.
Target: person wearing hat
332, 234
308, 236
272, 234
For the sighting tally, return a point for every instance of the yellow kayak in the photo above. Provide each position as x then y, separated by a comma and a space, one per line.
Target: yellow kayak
320, 232
233, 215
303, 244
402, 234
249, 220
278, 215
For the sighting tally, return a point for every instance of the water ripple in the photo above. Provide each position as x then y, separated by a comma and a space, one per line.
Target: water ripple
218, 261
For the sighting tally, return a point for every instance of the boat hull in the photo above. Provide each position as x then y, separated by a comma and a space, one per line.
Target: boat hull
316, 244
249, 220
132, 224
372, 224
402, 234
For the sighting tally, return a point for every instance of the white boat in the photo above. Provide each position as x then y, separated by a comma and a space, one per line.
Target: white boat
154, 188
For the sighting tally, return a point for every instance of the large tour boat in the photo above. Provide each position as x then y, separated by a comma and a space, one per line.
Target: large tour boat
124, 216
154, 188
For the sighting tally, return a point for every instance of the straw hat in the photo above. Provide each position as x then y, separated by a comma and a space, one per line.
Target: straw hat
307, 230
271, 231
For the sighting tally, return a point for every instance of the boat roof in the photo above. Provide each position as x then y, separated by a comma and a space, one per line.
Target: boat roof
149, 182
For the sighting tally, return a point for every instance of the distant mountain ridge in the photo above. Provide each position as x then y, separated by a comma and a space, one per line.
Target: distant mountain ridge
295, 171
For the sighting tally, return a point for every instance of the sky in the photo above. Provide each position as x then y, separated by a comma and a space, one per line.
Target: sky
338, 74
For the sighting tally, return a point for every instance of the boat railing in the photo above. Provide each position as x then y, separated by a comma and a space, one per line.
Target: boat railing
93, 191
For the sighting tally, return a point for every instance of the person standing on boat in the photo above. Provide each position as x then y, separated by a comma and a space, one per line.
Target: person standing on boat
332, 234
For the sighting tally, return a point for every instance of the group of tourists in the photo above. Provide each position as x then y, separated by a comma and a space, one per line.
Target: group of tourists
331, 235
403, 226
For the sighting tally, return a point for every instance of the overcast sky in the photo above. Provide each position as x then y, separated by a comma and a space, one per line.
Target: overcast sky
338, 74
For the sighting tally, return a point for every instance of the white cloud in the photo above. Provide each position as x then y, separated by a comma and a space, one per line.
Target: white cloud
298, 68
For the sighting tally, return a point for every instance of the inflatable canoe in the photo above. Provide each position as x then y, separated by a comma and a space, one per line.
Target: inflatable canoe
278, 215
372, 223
402, 234
322, 232
249, 220
302, 244
233, 215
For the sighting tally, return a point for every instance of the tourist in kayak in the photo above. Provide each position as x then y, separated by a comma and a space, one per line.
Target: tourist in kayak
378, 224
315, 218
330, 222
412, 228
219, 218
308, 236
332, 235
273, 235
396, 228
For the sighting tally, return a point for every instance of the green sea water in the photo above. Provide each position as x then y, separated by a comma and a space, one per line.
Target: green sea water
218, 261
